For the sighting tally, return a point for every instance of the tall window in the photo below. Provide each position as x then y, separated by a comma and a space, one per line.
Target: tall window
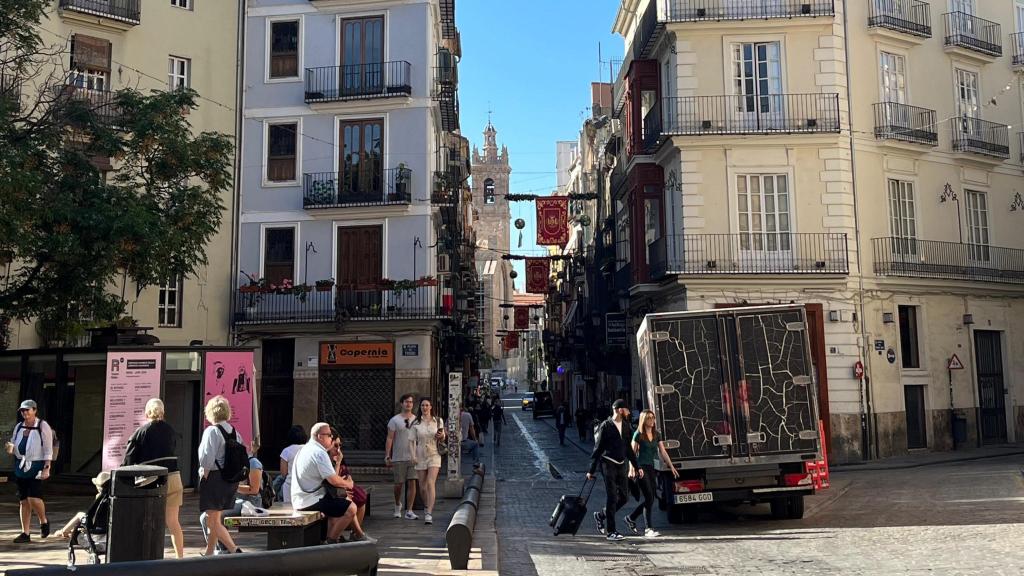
965, 6
282, 143
489, 191
179, 73
362, 160
652, 222
763, 204
894, 78
909, 345
757, 82
186, 4
284, 49
279, 255
168, 309
902, 222
362, 55
977, 224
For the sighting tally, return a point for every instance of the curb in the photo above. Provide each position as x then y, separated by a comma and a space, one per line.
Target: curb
827, 500
875, 467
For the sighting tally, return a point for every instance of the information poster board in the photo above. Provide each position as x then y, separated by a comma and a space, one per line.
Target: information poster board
230, 374
132, 379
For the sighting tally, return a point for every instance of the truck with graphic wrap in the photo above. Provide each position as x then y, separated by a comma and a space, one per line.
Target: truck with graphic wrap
735, 398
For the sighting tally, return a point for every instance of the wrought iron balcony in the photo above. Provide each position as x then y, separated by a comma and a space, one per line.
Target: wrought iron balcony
908, 16
769, 114
446, 90
341, 304
785, 253
652, 129
128, 11
10, 89
966, 31
356, 188
100, 104
980, 137
910, 258
895, 121
358, 82
705, 10
1017, 41
624, 278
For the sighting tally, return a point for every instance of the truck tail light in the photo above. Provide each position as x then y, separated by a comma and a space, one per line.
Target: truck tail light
688, 486
794, 480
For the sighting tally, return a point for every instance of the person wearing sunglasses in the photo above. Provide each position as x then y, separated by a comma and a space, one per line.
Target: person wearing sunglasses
398, 455
32, 446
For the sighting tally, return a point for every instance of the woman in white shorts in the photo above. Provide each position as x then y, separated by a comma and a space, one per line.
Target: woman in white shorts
429, 430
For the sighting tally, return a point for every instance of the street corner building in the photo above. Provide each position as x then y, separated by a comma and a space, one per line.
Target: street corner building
860, 158
355, 276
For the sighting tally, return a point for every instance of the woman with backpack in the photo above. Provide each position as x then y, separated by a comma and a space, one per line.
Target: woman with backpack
251, 490
155, 443
32, 446
220, 471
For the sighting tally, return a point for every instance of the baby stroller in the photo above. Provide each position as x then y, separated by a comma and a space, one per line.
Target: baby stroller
90, 533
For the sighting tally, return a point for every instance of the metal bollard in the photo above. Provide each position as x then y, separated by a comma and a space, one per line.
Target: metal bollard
459, 536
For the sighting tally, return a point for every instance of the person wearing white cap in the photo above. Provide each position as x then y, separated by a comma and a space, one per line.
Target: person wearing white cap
32, 446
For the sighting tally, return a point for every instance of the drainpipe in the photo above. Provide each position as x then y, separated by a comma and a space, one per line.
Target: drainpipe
867, 412
236, 209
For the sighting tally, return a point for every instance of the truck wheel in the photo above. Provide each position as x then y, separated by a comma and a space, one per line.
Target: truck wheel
780, 508
795, 507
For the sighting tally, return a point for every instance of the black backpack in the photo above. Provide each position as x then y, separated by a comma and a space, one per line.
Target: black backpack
236, 459
267, 495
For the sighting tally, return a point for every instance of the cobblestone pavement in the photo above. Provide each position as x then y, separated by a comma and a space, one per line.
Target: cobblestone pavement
951, 518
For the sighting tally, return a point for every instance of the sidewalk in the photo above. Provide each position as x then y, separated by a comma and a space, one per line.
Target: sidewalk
406, 547
918, 459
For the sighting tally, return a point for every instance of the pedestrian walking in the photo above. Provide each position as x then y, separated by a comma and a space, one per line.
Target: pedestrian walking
498, 420
648, 446
612, 451
216, 491
469, 437
429, 431
156, 443
581, 422
484, 416
31, 445
398, 455
247, 491
561, 422
283, 482
316, 481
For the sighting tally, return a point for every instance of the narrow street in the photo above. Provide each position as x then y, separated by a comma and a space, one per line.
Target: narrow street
959, 518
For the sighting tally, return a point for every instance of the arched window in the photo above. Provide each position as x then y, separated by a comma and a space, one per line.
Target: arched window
488, 191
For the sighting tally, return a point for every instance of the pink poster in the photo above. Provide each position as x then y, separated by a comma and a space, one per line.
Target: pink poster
132, 379
230, 374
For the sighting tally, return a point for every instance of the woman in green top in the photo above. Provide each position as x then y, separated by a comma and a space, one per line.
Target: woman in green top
648, 446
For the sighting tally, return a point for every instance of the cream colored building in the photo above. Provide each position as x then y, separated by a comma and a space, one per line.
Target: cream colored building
800, 151
158, 45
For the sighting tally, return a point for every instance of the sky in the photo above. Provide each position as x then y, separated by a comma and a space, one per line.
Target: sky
531, 62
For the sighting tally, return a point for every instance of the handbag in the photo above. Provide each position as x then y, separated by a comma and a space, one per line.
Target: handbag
442, 445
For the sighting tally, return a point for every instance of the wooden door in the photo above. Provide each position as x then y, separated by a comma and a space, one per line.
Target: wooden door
362, 56
362, 162
360, 268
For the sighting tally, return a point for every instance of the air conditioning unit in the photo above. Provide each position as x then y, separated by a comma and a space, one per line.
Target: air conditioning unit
444, 264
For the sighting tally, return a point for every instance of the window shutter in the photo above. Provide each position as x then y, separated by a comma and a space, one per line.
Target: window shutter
88, 52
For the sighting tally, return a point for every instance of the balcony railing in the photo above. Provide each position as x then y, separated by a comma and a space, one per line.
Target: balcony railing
973, 33
907, 257
357, 188
769, 114
980, 136
751, 253
128, 11
909, 16
10, 89
652, 129
1017, 40
358, 81
895, 121
343, 304
101, 104
624, 278
704, 10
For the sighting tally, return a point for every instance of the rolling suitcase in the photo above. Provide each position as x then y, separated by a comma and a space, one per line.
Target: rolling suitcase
571, 510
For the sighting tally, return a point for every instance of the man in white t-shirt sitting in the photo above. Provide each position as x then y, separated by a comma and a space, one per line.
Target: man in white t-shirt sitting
311, 470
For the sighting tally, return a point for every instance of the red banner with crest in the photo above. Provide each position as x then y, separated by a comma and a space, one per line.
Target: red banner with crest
511, 340
553, 221
537, 272
522, 318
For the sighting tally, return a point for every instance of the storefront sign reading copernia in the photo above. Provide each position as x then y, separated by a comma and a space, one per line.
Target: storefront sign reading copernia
132, 379
356, 354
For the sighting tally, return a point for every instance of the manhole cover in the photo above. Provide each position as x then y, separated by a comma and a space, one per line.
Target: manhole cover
624, 557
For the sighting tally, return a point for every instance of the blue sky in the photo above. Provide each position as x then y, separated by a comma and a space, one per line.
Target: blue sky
532, 62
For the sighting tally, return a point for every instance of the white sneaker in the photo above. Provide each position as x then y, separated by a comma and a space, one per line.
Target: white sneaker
650, 533
398, 511
410, 515
428, 518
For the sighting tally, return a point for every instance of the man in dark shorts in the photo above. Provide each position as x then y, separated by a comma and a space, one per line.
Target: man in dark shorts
311, 470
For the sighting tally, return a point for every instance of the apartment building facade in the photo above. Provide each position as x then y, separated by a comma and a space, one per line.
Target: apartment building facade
352, 249
852, 156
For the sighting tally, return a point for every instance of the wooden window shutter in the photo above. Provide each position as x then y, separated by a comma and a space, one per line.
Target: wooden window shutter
88, 52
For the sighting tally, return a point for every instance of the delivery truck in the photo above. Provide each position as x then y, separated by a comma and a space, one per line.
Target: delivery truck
734, 393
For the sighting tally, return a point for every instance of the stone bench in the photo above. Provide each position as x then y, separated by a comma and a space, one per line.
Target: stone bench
285, 527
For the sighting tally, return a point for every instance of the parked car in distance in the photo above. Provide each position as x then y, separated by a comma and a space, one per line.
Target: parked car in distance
528, 400
543, 405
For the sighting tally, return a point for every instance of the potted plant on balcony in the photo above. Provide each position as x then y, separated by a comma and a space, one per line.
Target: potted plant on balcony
324, 285
426, 281
402, 177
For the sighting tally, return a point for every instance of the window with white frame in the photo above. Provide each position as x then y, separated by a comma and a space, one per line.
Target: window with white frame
179, 73
168, 309
977, 224
902, 221
764, 213
279, 255
186, 4
284, 49
282, 152
757, 82
894, 78
968, 106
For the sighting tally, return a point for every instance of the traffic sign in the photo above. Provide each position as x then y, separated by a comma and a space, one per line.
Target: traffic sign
955, 363
890, 355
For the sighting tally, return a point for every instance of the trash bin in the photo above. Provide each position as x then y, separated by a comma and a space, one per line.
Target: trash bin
138, 497
959, 430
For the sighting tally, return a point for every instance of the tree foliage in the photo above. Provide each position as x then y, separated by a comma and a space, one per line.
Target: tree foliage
71, 231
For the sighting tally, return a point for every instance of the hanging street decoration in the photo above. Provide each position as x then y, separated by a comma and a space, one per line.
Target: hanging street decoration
538, 270
511, 340
533, 197
553, 221
552, 257
520, 224
522, 318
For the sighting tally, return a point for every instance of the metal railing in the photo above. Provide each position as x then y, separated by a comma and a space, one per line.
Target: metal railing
980, 136
357, 188
624, 277
10, 89
1017, 41
750, 253
129, 11
358, 81
647, 32
704, 10
768, 114
908, 257
910, 16
896, 121
343, 303
652, 129
101, 104
973, 33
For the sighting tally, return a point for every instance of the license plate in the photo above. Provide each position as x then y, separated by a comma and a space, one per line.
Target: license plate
694, 498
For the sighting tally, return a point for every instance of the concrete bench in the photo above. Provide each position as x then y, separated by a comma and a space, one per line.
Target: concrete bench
285, 527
